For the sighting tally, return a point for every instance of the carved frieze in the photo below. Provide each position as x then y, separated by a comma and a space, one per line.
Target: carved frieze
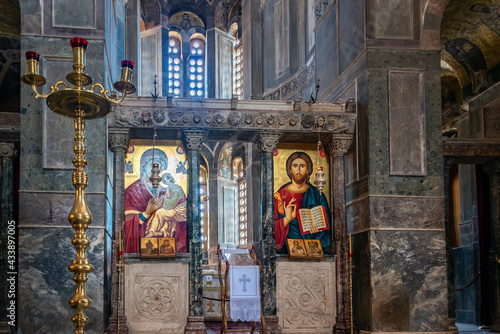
230, 119
10, 120
306, 295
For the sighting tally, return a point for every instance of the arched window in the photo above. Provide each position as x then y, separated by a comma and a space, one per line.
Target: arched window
196, 68
238, 69
239, 175
204, 209
237, 61
174, 67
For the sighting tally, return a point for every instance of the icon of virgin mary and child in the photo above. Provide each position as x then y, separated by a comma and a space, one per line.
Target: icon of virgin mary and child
155, 213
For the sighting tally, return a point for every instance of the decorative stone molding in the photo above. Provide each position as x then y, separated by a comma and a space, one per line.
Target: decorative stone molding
8, 150
118, 139
248, 115
10, 121
267, 141
293, 85
193, 139
306, 296
340, 144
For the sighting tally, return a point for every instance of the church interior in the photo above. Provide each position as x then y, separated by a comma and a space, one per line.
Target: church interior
310, 166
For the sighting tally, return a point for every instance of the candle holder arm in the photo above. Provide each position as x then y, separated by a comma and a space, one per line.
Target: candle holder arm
104, 92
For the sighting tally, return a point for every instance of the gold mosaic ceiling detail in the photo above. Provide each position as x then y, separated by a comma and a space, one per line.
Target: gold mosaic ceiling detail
470, 30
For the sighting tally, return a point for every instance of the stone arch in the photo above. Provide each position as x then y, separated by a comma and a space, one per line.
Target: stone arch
431, 23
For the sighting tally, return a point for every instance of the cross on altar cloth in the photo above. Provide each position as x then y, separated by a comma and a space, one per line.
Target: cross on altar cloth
244, 282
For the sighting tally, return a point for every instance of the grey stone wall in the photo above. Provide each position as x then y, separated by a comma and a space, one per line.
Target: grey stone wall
46, 190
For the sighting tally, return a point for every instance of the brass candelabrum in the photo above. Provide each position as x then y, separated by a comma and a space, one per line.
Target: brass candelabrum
80, 104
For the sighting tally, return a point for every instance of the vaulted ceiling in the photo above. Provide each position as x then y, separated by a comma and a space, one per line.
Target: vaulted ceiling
470, 40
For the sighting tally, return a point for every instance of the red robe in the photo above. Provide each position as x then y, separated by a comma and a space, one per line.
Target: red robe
280, 197
137, 196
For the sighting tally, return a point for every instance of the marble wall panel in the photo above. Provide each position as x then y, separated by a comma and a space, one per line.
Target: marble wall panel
381, 182
407, 212
351, 31
282, 37
358, 215
306, 296
393, 19
327, 61
52, 209
31, 17
408, 281
406, 123
156, 297
70, 14
46, 286
84, 18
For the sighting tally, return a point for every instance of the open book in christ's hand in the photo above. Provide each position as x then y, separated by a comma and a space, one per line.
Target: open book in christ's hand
316, 216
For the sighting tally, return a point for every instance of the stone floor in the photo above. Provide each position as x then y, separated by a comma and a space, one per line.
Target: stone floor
214, 328
467, 328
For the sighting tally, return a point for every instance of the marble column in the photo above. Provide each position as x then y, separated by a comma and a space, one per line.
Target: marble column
193, 140
338, 147
493, 171
118, 143
450, 265
7, 154
266, 143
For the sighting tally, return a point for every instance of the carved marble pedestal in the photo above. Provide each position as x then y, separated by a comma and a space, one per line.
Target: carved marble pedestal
157, 297
306, 296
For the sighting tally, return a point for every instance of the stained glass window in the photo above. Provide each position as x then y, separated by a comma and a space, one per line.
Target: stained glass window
196, 68
174, 67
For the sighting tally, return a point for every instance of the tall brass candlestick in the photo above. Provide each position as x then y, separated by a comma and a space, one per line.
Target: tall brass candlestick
80, 218
79, 103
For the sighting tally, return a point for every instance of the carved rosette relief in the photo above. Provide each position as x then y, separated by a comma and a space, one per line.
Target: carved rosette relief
7, 150
267, 141
340, 144
193, 139
306, 297
118, 139
156, 298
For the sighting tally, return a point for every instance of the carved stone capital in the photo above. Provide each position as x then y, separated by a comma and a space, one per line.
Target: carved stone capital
193, 139
267, 141
118, 139
340, 144
8, 150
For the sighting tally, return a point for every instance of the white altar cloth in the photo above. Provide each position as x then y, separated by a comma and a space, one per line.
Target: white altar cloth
244, 282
